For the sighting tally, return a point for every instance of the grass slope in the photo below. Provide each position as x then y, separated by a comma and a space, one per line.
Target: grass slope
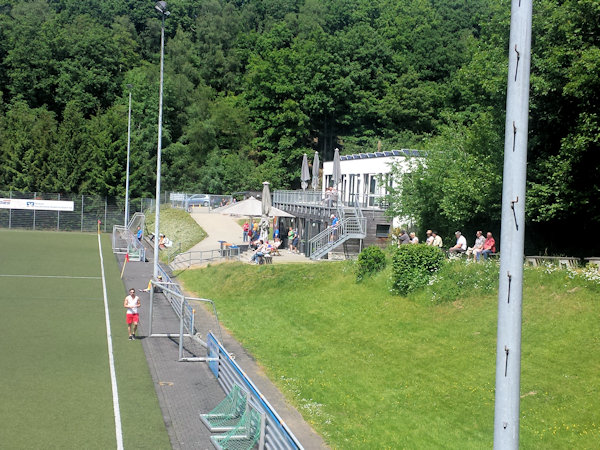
178, 226
372, 370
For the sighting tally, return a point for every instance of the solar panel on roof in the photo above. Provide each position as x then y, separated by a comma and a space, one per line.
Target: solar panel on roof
388, 153
379, 154
363, 156
370, 155
396, 152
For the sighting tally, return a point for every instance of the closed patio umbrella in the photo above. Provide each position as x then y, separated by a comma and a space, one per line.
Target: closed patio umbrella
305, 175
315, 172
337, 169
265, 210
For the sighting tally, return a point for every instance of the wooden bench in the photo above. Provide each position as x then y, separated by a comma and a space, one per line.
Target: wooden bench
567, 261
593, 261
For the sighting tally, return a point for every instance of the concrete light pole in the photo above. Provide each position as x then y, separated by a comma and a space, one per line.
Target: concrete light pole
510, 290
126, 220
161, 7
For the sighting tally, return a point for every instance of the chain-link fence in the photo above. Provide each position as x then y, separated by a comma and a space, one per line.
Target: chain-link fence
87, 211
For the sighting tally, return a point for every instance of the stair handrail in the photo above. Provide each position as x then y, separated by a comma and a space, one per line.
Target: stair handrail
348, 226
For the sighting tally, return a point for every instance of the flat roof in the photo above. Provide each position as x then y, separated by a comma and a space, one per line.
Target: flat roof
406, 152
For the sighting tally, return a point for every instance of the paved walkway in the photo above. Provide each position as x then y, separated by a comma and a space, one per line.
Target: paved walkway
219, 227
186, 389
223, 227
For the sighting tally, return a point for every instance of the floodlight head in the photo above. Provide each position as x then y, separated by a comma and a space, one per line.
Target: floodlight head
161, 7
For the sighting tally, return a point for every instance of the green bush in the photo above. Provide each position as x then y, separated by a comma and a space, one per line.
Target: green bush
370, 260
413, 265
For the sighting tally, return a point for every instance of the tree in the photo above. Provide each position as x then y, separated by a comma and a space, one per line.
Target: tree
27, 137
457, 185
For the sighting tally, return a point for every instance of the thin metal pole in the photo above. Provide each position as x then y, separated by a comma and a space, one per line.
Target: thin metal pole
150, 309
126, 220
181, 318
81, 214
158, 153
510, 292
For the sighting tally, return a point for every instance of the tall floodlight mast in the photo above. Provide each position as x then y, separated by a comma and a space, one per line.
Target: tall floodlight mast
161, 7
510, 292
126, 221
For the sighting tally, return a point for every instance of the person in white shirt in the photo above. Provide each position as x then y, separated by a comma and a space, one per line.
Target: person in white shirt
461, 244
132, 303
413, 238
429, 240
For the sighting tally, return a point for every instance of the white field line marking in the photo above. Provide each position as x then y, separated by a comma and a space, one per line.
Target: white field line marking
50, 276
111, 359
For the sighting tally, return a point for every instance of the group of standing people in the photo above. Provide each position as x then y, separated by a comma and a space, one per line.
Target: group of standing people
411, 238
293, 239
250, 232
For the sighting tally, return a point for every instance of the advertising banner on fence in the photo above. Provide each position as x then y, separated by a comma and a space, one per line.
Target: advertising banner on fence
45, 205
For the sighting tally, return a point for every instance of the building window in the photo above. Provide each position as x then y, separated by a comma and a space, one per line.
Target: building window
382, 231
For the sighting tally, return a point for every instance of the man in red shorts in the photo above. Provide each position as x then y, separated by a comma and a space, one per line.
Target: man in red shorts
132, 303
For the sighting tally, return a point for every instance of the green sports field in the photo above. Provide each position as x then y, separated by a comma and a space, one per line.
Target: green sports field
55, 374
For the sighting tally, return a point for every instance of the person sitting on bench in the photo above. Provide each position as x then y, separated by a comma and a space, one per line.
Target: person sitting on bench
489, 246
276, 245
461, 244
259, 253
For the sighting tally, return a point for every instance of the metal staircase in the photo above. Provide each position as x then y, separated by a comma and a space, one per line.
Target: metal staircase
352, 225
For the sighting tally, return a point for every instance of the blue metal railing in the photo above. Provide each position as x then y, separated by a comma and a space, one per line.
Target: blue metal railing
228, 372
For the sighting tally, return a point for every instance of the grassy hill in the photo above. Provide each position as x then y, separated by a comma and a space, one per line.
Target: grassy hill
369, 369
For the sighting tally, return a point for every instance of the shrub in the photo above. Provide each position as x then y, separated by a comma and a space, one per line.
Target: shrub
370, 260
413, 265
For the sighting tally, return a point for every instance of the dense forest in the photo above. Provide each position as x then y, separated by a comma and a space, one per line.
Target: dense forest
252, 85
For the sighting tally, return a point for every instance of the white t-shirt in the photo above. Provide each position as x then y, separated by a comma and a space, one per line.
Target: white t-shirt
462, 241
131, 304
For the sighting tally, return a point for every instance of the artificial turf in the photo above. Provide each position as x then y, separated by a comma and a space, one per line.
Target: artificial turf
56, 387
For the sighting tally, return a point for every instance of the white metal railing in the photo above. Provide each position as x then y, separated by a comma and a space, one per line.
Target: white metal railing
124, 242
307, 198
323, 199
193, 258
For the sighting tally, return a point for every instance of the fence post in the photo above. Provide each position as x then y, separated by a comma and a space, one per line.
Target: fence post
82, 213
58, 217
10, 212
34, 195
105, 208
